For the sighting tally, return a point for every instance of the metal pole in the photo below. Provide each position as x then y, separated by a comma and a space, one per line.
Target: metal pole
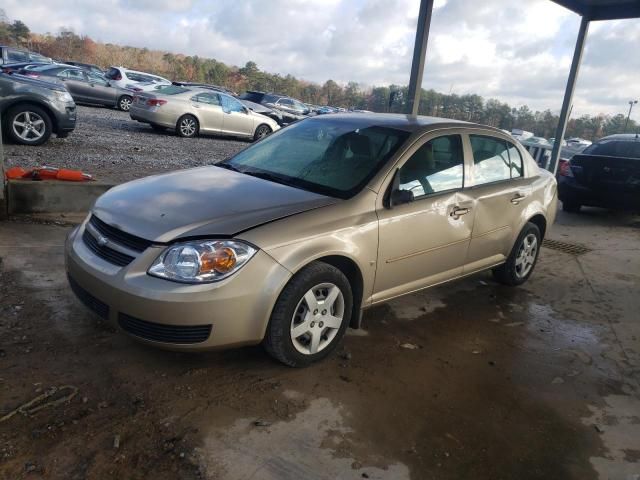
419, 53
626, 124
3, 182
568, 94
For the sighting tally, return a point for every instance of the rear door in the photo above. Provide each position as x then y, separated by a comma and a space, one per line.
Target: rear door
236, 120
208, 109
500, 193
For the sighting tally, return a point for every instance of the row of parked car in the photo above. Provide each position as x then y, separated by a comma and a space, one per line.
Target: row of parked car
189, 108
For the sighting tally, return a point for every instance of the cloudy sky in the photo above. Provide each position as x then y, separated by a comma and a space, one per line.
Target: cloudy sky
514, 50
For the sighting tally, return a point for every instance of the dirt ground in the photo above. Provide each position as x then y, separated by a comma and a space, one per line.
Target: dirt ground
468, 380
113, 148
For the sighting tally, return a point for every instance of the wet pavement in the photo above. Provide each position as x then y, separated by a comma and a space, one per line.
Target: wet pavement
466, 380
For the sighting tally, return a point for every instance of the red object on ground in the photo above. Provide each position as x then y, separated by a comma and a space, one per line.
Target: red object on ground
48, 173
17, 172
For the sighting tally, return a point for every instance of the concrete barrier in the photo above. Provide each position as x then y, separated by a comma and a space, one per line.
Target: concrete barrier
28, 196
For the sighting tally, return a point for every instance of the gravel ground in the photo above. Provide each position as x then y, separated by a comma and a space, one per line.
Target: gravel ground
109, 145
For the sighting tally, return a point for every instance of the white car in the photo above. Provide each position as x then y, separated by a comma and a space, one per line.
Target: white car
125, 78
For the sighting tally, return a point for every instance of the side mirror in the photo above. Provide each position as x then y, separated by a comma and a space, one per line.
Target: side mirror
245, 109
398, 197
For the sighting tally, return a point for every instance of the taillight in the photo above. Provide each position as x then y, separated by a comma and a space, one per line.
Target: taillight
155, 102
32, 75
564, 168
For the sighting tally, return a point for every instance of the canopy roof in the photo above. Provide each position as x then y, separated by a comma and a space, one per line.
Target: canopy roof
603, 9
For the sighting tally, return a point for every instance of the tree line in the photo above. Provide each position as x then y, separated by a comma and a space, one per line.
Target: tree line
67, 45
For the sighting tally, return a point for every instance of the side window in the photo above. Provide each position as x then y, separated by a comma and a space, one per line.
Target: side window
515, 160
490, 159
96, 79
436, 166
72, 75
231, 104
210, 98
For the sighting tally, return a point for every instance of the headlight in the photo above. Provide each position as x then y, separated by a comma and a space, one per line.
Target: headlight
202, 261
63, 96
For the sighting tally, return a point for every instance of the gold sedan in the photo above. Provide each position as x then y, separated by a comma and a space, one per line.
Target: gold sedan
191, 111
286, 243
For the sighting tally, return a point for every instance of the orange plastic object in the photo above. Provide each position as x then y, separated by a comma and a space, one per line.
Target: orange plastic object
17, 172
72, 175
47, 172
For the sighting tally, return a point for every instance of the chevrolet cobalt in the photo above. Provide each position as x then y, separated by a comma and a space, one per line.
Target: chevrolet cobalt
288, 241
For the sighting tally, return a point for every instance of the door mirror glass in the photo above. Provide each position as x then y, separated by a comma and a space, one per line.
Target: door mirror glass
399, 197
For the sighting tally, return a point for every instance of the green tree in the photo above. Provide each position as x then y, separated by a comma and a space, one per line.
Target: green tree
19, 32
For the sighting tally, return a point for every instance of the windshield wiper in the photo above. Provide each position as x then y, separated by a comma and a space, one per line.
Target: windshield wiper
267, 176
228, 166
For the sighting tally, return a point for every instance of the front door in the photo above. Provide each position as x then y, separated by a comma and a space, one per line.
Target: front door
99, 90
425, 241
237, 120
76, 84
209, 111
500, 193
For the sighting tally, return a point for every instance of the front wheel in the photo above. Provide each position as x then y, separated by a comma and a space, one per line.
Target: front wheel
310, 316
261, 132
187, 126
29, 125
524, 255
124, 103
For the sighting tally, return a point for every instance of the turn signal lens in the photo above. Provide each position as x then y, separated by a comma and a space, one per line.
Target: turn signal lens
221, 260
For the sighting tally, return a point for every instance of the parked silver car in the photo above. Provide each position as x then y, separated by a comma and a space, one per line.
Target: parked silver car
191, 111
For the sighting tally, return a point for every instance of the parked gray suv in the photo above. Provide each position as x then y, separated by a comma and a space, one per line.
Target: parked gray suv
33, 109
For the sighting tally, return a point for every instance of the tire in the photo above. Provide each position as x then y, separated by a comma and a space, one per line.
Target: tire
187, 126
571, 207
158, 128
316, 282
28, 125
124, 103
522, 259
262, 131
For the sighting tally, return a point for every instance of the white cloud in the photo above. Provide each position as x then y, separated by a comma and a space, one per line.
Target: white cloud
518, 52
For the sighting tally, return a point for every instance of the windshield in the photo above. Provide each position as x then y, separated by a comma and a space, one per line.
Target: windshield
328, 156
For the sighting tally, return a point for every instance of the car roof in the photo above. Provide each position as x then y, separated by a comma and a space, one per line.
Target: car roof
409, 123
625, 137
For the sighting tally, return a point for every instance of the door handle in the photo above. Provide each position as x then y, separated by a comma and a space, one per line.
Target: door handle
517, 198
457, 212
195, 106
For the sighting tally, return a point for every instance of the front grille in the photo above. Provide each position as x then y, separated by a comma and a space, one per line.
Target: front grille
118, 236
163, 333
104, 252
92, 303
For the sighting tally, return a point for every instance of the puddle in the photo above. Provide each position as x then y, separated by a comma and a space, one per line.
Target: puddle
312, 446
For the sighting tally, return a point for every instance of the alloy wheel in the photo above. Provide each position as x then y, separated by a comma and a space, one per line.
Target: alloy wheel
317, 318
188, 127
29, 126
125, 104
262, 131
526, 257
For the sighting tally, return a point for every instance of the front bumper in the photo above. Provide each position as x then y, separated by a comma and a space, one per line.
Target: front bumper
234, 311
66, 115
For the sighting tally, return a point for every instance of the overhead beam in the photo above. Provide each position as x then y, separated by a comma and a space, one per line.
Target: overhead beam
568, 94
612, 10
419, 54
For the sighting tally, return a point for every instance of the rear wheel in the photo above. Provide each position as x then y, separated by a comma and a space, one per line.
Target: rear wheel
124, 103
187, 126
28, 125
262, 131
571, 207
524, 255
310, 316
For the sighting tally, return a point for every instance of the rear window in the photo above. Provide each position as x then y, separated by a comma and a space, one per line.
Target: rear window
615, 148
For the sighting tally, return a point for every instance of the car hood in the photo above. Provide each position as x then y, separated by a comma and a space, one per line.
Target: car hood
200, 202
